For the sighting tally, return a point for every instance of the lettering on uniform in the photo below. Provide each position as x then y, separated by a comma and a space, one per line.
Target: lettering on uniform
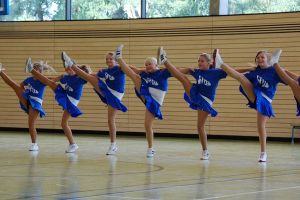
151, 81
262, 82
203, 81
110, 77
31, 89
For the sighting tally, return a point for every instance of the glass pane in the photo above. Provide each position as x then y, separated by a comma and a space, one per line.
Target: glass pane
262, 6
106, 9
35, 10
178, 8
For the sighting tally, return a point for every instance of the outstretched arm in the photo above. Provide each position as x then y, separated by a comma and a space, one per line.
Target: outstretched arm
137, 70
247, 69
185, 70
56, 79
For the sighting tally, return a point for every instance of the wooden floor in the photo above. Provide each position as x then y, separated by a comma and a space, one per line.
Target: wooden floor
176, 172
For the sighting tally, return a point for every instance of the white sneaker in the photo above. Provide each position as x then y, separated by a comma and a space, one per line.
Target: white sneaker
67, 61
150, 152
217, 60
28, 65
72, 148
263, 157
118, 53
161, 56
1, 67
112, 150
275, 57
34, 147
205, 155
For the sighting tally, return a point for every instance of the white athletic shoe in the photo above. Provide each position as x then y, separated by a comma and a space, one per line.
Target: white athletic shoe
217, 59
118, 53
205, 155
150, 152
28, 65
263, 157
67, 61
72, 148
275, 57
1, 67
34, 147
112, 150
161, 56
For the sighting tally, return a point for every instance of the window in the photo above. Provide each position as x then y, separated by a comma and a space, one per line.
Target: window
35, 10
105, 9
262, 6
178, 8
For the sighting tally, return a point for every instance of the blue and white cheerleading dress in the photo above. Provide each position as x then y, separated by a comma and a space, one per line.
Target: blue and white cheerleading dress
34, 94
265, 83
111, 82
153, 90
68, 93
202, 94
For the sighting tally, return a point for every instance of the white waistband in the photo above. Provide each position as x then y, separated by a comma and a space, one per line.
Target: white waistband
36, 99
207, 100
73, 101
266, 97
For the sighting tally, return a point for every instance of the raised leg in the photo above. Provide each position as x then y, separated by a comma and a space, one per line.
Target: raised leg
44, 79
186, 83
289, 78
15, 86
246, 84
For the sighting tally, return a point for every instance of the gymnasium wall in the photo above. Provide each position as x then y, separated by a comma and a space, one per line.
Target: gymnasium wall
238, 37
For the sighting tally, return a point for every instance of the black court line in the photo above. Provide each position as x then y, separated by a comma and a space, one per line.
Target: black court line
158, 168
230, 179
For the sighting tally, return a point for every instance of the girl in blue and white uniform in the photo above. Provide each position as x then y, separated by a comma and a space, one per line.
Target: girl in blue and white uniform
109, 84
200, 95
151, 86
68, 90
259, 87
30, 94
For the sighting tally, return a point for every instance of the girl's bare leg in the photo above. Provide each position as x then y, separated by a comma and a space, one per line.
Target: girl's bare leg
246, 84
290, 79
67, 130
261, 128
149, 118
93, 80
112, 113
202, 116
44, 79
32, 116
186, 83
16, 87
129, 72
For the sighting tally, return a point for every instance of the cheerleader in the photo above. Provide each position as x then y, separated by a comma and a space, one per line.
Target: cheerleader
259, 87
109, 84
289, 78
151, 86
30, 94
68, 90
200, 95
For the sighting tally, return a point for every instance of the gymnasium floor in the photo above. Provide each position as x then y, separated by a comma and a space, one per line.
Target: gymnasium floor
176, 172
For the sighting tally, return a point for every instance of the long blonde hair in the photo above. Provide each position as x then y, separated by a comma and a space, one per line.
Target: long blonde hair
44, 67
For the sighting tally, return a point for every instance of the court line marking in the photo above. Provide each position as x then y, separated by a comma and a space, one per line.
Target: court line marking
254, 192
